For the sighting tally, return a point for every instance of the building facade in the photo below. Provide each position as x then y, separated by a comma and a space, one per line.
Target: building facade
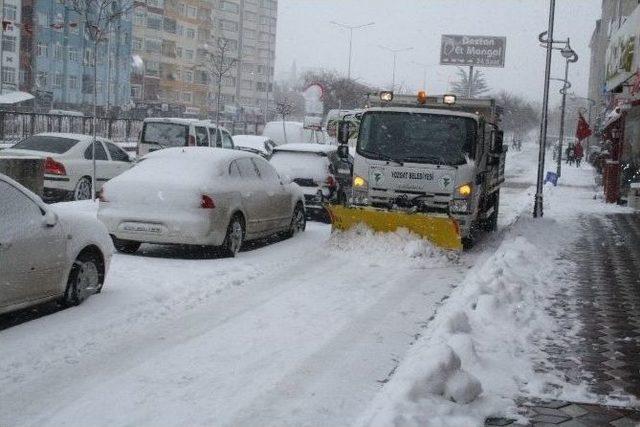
174, 41
10, 55
57, 59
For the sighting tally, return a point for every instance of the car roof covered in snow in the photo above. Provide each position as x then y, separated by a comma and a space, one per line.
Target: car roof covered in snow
78, 136
306, 148
255, 139
181, 121
199, 154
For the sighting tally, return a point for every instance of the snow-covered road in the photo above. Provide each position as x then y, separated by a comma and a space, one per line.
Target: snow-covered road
300, 332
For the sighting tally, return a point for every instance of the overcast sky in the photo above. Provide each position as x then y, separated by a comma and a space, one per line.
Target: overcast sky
306, 35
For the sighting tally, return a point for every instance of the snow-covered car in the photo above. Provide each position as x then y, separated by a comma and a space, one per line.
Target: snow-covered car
200, 196
68, 163
318, 170
292, 132
47, 252
257, 144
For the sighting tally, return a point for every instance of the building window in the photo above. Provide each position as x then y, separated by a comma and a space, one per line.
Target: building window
43, 19
187, 97
152, 46
41, 79
190, 33
154, 21
188, 54
73, 82
250, 16
136, 91
156, 3
139, 17
260, 69
250, 34
247, 84
10, 12
170, 25
228, 25
152, 68
57, 51
192, 11
8, 75
8, 43
58, 80
229, 81
227, 6
264, 53
137, 44
178, 52
73, 55
188, 76
88, 57
41, 50
248, 50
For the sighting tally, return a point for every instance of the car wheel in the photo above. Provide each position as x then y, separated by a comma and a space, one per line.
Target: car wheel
83, 189
298, 221
125, 246
84, 279
234, 237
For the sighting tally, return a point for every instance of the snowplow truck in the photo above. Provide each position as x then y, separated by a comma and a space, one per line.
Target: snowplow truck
433, 165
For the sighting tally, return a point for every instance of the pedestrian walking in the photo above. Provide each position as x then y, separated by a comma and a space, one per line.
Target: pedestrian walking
578, 153
570, 154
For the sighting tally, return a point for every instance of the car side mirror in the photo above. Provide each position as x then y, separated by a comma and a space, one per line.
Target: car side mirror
343, 152
50, 218
344, 132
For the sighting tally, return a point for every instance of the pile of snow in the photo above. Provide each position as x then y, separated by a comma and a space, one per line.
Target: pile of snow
363, 245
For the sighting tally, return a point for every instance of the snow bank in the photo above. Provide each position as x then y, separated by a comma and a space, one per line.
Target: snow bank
362, 245
479, 352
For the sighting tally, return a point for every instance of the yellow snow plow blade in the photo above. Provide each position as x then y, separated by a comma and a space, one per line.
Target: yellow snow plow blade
442, 231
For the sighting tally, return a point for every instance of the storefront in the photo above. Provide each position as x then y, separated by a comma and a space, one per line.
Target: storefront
621, 127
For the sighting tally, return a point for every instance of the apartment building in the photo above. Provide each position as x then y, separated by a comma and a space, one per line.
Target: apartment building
57, 56
174, 39
10, 55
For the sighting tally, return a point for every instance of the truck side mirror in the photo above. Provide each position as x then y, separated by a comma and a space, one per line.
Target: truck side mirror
344, 131
343, 152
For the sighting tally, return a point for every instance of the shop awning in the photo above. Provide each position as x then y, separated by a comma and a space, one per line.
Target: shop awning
15, 97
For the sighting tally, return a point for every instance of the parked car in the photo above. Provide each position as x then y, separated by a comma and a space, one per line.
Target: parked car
318, 170
46, 252
292, 132
68, 163
200, 196
257, 144
158, 133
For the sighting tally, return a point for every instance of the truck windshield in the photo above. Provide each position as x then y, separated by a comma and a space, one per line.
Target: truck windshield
417, 137
165, 134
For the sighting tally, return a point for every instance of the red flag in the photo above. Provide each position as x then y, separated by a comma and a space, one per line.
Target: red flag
583, 131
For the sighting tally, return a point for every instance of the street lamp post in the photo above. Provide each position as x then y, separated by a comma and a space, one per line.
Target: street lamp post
570, 56
395, 57
538, 205
351, 28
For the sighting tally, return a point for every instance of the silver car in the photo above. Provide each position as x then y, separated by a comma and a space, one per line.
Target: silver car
47, 253
200, 196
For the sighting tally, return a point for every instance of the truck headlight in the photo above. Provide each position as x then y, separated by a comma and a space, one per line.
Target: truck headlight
459, 205
359, 182
464, 190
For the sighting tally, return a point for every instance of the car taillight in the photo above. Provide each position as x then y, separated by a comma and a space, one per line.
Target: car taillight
51, 167
101, 196
192, 141
331, 182
207, 202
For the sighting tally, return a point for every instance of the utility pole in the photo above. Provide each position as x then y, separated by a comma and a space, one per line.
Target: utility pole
570, 56
395, 57
351, 28
538, 202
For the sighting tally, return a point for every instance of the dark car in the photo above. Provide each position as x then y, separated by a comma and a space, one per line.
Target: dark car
318, 170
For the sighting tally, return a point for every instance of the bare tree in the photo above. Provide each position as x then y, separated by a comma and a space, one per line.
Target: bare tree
519, 115
219, 62
284, 107
97, 17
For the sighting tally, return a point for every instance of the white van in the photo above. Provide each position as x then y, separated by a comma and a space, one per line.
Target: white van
161, 132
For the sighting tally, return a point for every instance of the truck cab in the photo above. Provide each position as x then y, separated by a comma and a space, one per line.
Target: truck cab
431, 156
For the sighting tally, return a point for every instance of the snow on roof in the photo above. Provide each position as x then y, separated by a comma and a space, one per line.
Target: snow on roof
79, 136
15, 97
425, 111
196, 154
307, 147
181, 121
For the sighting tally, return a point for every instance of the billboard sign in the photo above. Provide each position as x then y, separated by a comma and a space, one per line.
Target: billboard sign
623, 52
478, 51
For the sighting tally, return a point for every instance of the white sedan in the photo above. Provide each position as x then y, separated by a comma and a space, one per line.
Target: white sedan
69, 165
258, 144
200, 196
48, 252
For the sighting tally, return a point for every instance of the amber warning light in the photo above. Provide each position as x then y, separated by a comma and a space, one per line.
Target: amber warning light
422, 97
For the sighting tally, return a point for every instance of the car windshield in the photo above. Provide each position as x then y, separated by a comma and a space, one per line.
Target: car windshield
417, 137
165, 134
48, 144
